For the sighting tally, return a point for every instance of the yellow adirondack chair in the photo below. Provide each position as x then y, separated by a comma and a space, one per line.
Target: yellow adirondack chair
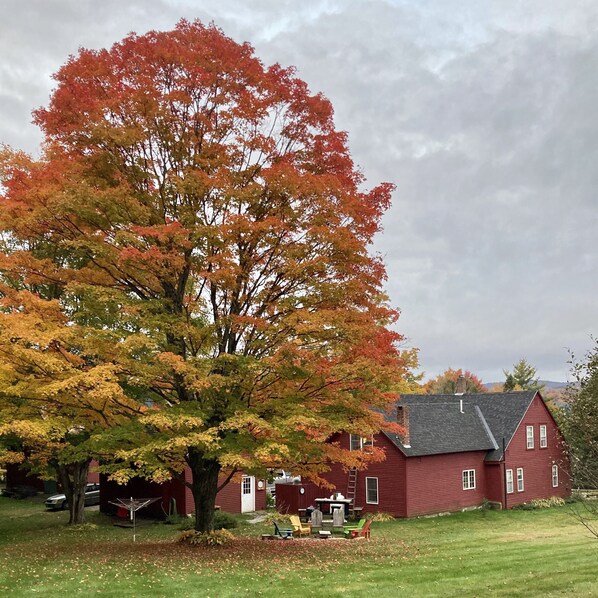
303, 529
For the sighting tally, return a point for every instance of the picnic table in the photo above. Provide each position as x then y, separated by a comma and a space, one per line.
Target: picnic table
328, 505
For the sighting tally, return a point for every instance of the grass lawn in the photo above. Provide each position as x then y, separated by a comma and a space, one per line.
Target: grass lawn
483, 553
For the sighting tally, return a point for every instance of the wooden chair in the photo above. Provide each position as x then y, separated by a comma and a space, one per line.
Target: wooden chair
347, 529
364, 531
284, 533
300, 528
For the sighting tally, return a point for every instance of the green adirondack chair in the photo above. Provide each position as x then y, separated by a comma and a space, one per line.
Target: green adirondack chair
347, 529
284, 533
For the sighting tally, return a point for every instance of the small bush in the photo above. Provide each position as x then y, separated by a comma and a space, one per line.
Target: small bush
174, 519
547, 503
224, 521
218, 537
187, 523
186, 535
279, 518
540, 503
380, 516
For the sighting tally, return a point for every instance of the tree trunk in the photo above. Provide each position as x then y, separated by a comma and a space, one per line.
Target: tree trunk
73, 478
204, 486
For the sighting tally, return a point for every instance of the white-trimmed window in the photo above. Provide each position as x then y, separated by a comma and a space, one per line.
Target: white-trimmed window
246, 488
371, 491
543, 437
359, 443
468, 479
509, 476
529, 433
555, 476
520, 486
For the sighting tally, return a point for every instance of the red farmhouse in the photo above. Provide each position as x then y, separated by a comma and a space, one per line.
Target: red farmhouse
457, 452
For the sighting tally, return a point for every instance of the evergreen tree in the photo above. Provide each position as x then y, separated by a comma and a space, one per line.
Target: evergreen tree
523, 377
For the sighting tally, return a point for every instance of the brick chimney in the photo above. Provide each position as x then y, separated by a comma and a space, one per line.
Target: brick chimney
403, 421
460, 386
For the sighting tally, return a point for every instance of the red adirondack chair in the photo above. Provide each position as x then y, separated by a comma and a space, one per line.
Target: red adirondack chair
364, 531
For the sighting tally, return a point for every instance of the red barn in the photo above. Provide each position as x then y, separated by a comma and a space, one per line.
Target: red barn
457, 452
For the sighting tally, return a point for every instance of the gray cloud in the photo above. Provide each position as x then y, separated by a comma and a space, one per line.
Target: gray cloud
482, 113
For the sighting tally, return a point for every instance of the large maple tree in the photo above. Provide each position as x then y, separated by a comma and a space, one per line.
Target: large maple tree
204, 265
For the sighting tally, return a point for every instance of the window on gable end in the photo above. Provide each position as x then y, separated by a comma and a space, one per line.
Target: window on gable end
529, 432
555, 476
543, 437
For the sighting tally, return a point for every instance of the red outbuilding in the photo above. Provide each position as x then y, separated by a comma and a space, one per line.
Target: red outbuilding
242, 494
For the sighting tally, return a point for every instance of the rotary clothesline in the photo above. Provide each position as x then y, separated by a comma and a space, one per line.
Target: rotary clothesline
133, 505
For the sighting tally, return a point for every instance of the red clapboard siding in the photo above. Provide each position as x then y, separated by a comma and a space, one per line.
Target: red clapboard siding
495, 487
391, 483
435, 482
537, 462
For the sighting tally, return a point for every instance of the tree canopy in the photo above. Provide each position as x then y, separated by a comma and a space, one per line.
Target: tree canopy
579, 419
523, 377
185, 273
446, 383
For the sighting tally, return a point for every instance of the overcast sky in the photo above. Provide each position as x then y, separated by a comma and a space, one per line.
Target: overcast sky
484, 114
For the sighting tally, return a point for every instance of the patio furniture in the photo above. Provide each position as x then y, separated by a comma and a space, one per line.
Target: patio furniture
325, 504
300, 528
347, 529
324, 534
283, 533
363, 532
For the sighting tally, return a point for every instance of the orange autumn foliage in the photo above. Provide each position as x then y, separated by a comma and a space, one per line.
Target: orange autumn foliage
200, 226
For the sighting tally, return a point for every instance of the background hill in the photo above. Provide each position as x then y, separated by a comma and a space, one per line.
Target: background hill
548, 384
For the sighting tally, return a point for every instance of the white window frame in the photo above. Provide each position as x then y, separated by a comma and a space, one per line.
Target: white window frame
555, 476
368, 489
468, 479
529, 436
543, 436
246, 487
520, 481
509, 481
365, 442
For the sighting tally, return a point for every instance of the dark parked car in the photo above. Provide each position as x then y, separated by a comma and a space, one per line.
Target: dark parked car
19, 492
59, 501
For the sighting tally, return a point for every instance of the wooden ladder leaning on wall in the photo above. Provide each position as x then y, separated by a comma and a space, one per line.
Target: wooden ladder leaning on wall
352, 489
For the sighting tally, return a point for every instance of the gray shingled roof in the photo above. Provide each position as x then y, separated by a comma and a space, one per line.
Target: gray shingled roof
437, 426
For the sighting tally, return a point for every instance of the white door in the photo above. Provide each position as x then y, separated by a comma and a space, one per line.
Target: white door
248, 494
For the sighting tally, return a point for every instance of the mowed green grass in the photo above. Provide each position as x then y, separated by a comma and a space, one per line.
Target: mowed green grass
483, 553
